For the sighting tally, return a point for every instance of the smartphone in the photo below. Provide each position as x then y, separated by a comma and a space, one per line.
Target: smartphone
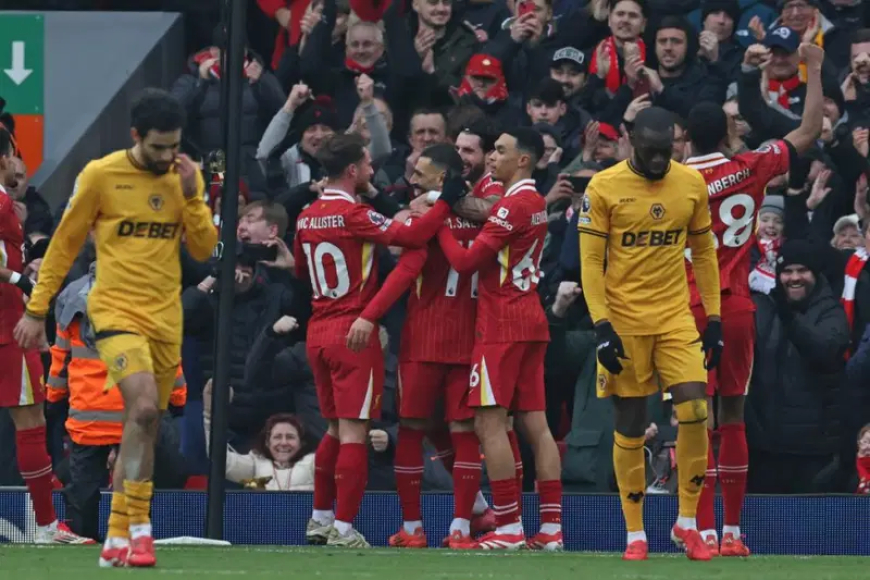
579, 184
253, 253
525, 7
642, 86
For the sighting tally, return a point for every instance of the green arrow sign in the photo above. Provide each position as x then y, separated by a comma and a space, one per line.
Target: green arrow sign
22, 68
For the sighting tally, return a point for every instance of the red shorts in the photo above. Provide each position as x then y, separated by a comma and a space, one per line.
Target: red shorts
349, 384
20, 377
732, 376
509, 375
422, 385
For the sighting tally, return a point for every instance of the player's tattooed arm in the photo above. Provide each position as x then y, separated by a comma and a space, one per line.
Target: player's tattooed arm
475, 209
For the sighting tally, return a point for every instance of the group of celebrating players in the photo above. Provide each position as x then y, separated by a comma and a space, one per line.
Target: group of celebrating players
475, 334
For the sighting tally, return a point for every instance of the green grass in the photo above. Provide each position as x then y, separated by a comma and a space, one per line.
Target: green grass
80, 562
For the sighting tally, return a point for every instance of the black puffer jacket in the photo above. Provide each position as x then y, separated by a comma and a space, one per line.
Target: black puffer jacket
262, 305
793, 404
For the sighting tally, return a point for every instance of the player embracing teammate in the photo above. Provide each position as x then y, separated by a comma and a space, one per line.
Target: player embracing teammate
736, 187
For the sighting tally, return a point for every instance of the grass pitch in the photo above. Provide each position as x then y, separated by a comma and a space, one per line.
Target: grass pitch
255, 563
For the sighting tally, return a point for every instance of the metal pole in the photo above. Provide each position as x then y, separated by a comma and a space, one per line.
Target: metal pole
232, 75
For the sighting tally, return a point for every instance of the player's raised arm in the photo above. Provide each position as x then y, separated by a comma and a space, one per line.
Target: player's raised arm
475, 209
200, 233
68, 238
593, 226
398, 281
704, 261
810, 128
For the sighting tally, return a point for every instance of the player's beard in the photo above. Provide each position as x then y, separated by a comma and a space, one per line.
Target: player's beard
475, 172
361, 187
156, 167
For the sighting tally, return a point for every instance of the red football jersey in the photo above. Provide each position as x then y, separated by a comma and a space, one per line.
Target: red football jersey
736, 187
335, 246
442, 306
509, 309
12, 258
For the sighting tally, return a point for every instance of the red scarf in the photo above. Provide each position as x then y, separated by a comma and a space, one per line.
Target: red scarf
853, 270
782, 89
356, 67
615, 77
763, 276
863, 464
204, 55
498, 93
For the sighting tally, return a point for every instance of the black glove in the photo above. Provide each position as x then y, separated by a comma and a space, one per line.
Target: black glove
453, 189
712, 344
24, 284
609, 348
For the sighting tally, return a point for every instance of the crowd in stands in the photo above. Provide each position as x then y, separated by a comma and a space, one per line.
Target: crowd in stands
406, 74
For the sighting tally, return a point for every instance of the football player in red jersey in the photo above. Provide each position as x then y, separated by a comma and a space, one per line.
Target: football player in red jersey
736, 187
511, 336
434, 360
21, 389
335, 246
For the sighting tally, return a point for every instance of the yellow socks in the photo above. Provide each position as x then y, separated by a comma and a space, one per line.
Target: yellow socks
139, 503
691, 453
119, 522
629, 465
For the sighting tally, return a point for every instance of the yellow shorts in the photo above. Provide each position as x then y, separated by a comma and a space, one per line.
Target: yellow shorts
654, 362
126, 354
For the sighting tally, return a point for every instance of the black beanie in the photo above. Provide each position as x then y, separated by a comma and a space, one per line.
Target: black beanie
730, 7
320, 111
798, 252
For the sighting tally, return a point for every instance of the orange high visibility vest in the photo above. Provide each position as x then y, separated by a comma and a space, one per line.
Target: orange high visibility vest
95, 414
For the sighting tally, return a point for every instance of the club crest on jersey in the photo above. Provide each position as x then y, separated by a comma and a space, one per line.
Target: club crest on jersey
156, 201
121, 363
379, 220
657, 211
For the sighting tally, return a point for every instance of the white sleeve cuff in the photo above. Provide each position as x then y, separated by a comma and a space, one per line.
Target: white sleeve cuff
14, 278
433, 196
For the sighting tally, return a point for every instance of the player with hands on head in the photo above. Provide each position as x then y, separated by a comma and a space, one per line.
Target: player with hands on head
335, 248
511, 340
737, 184
637, 217
138, 203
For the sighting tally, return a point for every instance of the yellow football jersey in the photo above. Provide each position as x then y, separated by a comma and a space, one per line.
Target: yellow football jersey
646, 225
138, 219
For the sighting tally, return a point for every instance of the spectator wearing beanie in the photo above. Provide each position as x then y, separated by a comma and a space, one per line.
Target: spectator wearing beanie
793, 415
308, 121
719, 18
847, 233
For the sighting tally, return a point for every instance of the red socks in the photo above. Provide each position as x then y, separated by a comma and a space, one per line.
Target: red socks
35, 467
505, 502
466, 474
325, 459
442, 442
706, 517
518, 465
351, 477
550, 494
409, 472
733, 466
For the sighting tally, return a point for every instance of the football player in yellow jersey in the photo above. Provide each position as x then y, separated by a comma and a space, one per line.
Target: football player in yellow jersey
139, 203
637, 218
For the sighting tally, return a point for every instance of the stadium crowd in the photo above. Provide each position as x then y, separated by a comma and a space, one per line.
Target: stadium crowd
409, 75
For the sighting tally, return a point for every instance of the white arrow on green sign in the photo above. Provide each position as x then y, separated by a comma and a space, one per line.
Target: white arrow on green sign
22, 63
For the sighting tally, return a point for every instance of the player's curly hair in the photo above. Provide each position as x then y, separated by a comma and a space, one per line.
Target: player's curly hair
156, 110
261, 444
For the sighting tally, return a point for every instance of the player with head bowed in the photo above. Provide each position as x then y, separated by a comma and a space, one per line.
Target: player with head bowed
511, 336
335, 247
138, 203
736, 186
637, 218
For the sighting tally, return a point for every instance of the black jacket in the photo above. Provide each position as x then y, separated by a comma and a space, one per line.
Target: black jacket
793, 404
262, 305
